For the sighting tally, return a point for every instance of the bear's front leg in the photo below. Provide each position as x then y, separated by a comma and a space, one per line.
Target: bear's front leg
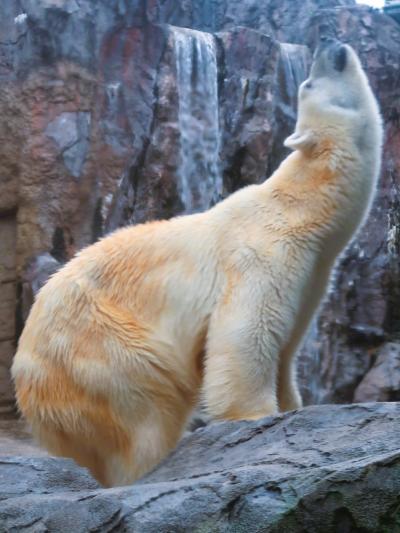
241, 367
289, 397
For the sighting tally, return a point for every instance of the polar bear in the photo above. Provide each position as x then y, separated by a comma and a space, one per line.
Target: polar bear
123, 341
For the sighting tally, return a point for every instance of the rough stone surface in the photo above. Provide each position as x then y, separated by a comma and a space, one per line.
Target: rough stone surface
322, 469
90, 140
382, 382
8, 293
259, 78
286, 21
16, 439
77, 103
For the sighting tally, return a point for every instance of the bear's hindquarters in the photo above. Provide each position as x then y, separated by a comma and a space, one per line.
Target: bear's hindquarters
115, 456
120, 429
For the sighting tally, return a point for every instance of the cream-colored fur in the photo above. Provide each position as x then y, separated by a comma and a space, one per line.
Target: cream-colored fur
123, 339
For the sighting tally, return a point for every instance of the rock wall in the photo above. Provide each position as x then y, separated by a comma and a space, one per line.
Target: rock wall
95, 133
359, 325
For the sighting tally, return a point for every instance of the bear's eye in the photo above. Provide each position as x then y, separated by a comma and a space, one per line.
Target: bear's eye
308, 85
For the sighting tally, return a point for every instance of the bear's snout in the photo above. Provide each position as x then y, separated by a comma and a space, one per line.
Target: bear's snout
330, 53
339, 56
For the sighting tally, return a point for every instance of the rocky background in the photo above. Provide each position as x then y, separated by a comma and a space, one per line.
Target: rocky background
115, 112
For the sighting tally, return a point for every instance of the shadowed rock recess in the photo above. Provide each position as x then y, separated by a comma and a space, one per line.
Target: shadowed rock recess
322, 469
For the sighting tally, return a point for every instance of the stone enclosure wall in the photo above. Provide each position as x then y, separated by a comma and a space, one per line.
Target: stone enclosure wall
94, 104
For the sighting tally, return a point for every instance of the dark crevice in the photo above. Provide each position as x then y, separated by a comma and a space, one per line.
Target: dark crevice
8, 211
232, 508
155, 498
113, 523
345, 523
97, 222
393, 396
19, 316
59, 249
135, 174
233, 175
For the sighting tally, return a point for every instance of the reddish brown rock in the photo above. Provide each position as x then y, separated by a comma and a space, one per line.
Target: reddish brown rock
76, 116
8, 292
258, 89
382, 382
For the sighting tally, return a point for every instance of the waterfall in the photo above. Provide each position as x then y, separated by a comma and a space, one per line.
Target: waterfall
295, 61
199, 178
309, 366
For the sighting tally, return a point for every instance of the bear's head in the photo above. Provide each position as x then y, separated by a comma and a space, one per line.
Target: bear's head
336, 102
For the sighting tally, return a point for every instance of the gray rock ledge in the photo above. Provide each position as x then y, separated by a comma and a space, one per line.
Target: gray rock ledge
329, 468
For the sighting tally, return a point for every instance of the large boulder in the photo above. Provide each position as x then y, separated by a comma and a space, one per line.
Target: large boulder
322, 469
97, 101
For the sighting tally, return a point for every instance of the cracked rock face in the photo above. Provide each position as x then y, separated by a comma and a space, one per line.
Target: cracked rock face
321, 469
382, 382
71, 133
96, 132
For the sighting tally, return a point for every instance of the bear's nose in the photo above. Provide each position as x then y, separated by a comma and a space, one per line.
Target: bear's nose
334, 51
326, 41
339, 58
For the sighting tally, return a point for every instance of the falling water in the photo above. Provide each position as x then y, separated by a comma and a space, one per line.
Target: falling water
295, 61
200, 182
309, 366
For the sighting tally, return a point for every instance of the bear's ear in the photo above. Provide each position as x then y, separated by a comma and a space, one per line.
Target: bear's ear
304, 141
